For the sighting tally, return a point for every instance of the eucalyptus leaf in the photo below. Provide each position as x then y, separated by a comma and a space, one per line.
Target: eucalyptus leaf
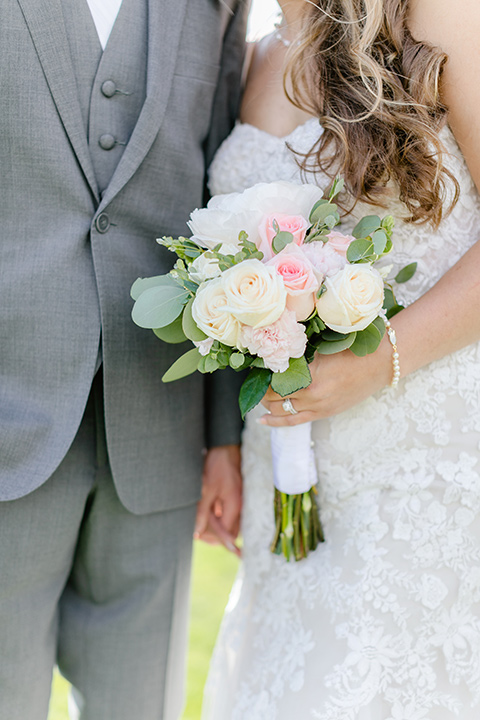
379, 238
281, 240
336, 346
159, 306
367, 341
337, 187
190, 327
253, 389
321, 210
172, 333
296, 377
185, 365
366, 226
236, 360
142, 284
406, 273
332, 336
360, 250
211, 364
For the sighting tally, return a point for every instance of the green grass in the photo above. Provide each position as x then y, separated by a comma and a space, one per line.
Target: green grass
213, 573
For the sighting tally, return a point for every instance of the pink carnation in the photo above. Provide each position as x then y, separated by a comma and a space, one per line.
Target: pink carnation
276, 343
325, 260
297, 225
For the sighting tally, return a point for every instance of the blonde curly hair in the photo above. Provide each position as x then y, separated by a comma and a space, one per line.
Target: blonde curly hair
375, 91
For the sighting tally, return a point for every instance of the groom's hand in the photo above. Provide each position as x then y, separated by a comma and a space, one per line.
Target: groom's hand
218, 513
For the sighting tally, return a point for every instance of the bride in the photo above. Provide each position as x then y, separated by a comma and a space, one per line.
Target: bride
382, 621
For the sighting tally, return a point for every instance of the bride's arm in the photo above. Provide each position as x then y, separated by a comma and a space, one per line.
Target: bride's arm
447, 317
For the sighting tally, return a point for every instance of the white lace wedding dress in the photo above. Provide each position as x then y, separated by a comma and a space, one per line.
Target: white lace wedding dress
382, 621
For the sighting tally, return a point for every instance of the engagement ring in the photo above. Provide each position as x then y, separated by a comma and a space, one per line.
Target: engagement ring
288, 407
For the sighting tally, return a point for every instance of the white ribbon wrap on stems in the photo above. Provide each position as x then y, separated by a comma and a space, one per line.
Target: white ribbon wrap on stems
294, 469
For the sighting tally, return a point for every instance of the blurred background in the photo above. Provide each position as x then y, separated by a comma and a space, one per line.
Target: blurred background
214, 568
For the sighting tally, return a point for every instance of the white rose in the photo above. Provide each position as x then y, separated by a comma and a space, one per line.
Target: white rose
255, 293
353, 299
211, 315
203, 268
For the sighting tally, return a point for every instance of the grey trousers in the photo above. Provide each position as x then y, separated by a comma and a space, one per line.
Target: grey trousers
87, 584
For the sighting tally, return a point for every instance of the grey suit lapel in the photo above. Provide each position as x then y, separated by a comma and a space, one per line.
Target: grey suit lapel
165, 21
45, 22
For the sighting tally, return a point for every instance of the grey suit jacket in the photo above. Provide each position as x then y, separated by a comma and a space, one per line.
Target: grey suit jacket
69, 257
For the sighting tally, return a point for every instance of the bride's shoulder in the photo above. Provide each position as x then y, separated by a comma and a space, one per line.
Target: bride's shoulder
446, 24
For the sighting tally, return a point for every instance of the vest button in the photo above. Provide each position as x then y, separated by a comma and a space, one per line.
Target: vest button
102, 223
107, 141
108, 88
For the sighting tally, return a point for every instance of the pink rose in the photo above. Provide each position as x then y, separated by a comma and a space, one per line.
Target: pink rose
339, 242
276, 343
325, 260
297, 225
299, 279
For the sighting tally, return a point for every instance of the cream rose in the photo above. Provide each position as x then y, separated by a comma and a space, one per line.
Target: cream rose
299, 279
211, 315
353, 298
255, 293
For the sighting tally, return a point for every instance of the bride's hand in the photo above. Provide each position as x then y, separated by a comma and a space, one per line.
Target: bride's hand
338, 382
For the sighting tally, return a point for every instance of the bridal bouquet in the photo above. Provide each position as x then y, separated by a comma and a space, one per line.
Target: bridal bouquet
263, 284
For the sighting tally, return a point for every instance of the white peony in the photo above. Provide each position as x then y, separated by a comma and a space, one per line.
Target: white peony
227, 215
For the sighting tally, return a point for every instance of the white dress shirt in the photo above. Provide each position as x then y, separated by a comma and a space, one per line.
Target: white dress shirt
104, 13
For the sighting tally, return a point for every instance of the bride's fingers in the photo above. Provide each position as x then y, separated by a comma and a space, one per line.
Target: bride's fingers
287, 420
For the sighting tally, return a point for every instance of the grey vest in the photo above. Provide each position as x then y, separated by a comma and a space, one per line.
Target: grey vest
111, 84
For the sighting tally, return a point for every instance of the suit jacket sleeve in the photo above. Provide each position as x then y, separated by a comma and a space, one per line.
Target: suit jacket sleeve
223, 420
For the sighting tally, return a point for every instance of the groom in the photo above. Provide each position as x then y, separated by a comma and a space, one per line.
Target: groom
102, 149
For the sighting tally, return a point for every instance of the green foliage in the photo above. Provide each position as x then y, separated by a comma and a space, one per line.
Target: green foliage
366, 227
321, 210
380, 239
337, 187
281, 240
159, 306
406, 273
183, 247
190, 327
142, 284
253, 389
368, 340
236, 360
390, 303
172, 333
361, 250
296, 377
185, 365
330, 347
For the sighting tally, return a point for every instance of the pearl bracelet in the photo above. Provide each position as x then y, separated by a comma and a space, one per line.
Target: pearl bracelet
395, 356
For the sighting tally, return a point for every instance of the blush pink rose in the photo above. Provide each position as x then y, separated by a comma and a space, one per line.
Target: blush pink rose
339, 242
299, 279
297, 225
276, 343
